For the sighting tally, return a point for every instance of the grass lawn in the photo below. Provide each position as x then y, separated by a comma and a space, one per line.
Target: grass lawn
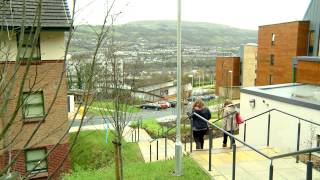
98, 107
92, 152
92, 159
155, 130
161, 170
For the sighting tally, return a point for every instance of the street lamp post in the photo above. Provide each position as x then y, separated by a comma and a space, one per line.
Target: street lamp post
231, 83
178, 145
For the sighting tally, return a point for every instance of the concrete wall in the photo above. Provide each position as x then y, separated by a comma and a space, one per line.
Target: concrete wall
291, 40
249, 65
52, 45
8, 46
283, 133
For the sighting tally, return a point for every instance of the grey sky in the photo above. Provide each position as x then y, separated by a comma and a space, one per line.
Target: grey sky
248, 14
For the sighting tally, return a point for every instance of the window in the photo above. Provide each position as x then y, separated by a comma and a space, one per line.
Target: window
273, 38
270, 79
33, 158
33, 104
318, 140
311, 43
26, 47
271, 60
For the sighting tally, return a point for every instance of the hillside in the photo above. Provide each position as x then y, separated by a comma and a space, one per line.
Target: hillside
164, 32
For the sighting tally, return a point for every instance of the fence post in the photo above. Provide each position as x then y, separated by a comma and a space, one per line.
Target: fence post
190, 135
157, 149
245, 132
150, 151
135, 135
210, 149
271, 171
234, 149
132, 136
268, 138
298, 140
138, 130
309, 170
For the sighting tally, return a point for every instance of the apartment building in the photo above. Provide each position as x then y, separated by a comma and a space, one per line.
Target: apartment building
291, 49
33, 99
278, 43
227, 76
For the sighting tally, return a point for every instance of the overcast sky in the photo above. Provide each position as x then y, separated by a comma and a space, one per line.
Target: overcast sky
247, 14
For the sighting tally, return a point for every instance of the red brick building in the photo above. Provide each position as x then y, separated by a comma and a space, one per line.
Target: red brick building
277, 45
227, 73
33, 99
307, 70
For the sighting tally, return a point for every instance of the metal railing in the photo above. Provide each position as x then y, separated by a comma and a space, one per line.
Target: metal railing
163, 135
271, 158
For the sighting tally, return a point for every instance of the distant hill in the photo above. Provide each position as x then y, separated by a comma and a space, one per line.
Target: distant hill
164, 32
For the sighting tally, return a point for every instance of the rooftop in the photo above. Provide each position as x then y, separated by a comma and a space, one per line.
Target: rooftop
54, 13
306, 95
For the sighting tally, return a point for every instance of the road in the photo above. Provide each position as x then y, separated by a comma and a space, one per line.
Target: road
144, 114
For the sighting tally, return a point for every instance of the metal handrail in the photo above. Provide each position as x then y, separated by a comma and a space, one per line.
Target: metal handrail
297, 117
311, 150
231, 135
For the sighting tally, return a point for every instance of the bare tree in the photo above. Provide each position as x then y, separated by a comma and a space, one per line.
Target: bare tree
21, 78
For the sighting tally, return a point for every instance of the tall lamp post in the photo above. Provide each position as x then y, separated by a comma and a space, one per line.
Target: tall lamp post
231, 83
178, 145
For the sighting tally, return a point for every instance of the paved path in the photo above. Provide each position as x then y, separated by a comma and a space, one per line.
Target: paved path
250, 165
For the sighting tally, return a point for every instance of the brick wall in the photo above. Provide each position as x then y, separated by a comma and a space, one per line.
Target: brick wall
56, 157
54, 160
291, 40
223, 66
45, 77
308, 72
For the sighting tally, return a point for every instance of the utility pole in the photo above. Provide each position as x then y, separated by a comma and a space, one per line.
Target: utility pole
178, 145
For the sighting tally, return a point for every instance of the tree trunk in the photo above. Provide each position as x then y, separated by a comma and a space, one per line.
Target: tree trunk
118, 159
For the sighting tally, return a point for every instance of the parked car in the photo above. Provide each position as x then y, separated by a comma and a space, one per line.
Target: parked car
192, 98
164, 104
208, 97
151, 106
172, 103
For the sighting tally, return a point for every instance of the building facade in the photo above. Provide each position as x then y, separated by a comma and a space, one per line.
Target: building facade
277, 45
249, 64
227, 75
33, 102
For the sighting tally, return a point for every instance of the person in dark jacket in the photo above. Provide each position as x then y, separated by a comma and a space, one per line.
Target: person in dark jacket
199, 127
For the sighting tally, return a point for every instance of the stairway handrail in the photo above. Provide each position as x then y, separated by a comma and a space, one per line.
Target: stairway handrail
231, 135
310, 150
296, 117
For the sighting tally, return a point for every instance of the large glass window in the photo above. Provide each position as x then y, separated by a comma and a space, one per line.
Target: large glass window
33, 104
33, 160
27, 45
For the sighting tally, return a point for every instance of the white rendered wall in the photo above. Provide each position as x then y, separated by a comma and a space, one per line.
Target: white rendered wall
283, 131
